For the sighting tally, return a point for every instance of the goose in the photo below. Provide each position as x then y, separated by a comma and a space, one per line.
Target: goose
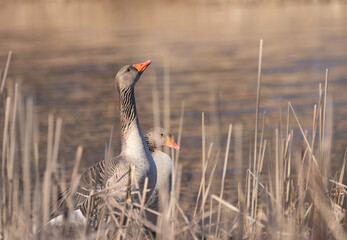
155, 138
114, 174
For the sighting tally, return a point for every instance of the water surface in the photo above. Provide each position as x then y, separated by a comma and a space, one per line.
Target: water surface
68, 53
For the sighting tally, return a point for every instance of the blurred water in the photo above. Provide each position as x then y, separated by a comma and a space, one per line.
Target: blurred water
68, 53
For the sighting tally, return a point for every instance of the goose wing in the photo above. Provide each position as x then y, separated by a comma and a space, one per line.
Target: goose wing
113, 174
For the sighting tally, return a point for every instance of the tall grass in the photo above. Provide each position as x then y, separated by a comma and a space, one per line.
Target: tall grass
299, 198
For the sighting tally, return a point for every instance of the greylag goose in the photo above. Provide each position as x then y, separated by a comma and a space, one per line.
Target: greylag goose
155, 138
114, 174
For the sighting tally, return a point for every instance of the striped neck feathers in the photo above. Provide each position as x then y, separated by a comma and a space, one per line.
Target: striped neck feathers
127, 109
151, 146
133, 142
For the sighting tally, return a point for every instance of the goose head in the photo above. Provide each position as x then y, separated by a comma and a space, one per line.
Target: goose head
130, 74
157, 137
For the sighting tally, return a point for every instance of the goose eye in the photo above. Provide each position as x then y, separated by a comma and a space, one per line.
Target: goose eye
128, 69
162, 134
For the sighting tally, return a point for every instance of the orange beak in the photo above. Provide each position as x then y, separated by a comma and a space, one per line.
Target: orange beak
142, 66
170, 143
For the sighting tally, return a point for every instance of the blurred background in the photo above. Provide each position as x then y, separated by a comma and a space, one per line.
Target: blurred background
67, 53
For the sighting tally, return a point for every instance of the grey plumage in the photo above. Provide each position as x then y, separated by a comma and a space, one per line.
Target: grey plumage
94, 176
114, 175
156, 138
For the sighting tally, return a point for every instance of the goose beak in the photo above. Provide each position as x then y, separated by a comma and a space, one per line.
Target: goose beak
170, 143
142, 66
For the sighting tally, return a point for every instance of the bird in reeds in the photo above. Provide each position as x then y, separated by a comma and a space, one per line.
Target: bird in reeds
155, 138
110, 178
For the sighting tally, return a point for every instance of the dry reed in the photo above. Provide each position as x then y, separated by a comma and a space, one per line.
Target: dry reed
301, 201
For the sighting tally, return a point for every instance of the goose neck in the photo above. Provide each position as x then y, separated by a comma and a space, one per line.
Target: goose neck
151, 146
127, 109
